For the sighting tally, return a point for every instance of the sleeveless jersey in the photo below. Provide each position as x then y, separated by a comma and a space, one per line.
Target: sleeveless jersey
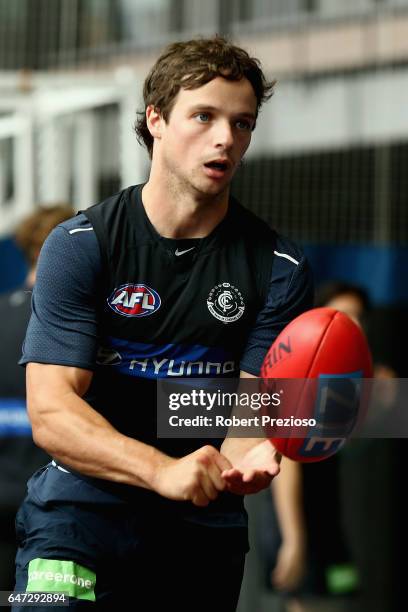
166, 315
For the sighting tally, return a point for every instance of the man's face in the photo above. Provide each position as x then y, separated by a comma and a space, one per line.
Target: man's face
350, 304
207, 134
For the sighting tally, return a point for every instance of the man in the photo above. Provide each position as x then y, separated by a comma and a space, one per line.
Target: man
19, 457
320, 563
307, 556
168, 278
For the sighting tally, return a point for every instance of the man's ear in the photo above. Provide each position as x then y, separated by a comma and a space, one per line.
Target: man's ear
154, 121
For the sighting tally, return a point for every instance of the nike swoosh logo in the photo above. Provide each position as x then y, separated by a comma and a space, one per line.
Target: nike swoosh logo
178, 253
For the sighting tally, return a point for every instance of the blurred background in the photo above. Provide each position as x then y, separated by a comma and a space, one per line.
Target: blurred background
327, 166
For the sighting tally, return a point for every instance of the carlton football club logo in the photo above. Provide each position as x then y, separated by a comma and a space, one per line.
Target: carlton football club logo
225, 303
134, 300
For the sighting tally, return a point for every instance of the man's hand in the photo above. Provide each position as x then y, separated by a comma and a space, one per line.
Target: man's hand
196, 477
253, 468
290, 566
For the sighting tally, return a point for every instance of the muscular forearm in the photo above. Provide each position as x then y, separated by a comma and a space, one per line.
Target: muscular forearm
78, 436
70, 430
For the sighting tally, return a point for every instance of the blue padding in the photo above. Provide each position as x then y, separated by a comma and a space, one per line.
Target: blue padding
14, 420
13, 269
382, 271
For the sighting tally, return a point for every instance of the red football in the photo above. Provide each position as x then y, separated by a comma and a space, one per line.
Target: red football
328, 349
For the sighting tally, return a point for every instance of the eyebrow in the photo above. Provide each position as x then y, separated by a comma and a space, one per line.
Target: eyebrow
208, 107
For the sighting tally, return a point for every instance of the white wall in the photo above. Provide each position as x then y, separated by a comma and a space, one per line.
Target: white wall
334, 113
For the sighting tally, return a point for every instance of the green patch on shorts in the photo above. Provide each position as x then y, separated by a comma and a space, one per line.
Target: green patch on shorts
56, 576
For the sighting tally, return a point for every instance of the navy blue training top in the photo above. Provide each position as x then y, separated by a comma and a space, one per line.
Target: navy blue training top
63, 325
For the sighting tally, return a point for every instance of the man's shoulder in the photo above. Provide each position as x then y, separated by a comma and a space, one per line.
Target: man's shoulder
291, 273
73, 233
288, 251
74, 242
78, 224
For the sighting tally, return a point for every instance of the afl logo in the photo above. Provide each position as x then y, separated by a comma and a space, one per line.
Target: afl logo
134, 300
225, 303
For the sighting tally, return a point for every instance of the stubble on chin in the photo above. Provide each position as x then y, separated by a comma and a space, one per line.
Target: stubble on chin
209, 192
194, 182
209, 188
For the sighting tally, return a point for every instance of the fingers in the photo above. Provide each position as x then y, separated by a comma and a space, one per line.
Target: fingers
231, 473
213, 463
222, 462
208, 488
199, 498
209, 480
271, 472
215, 474
235, 475
212, 483
246, 483
274, 469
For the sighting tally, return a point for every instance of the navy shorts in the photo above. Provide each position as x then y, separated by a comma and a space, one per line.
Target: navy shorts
109, 555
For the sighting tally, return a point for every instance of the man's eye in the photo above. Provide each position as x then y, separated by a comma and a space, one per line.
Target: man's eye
203, 117
243, 125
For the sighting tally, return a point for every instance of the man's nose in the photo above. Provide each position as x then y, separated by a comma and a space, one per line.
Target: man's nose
224, 136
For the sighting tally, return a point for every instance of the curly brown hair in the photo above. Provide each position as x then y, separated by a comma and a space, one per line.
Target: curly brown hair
34, 229
190, 65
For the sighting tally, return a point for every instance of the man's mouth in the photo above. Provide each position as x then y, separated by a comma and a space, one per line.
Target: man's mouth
217, 168
217, 165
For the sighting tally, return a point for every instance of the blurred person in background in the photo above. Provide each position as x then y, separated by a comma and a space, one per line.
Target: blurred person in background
19, 456
315, 543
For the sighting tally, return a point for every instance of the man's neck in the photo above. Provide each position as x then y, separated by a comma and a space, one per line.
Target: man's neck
176, 213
